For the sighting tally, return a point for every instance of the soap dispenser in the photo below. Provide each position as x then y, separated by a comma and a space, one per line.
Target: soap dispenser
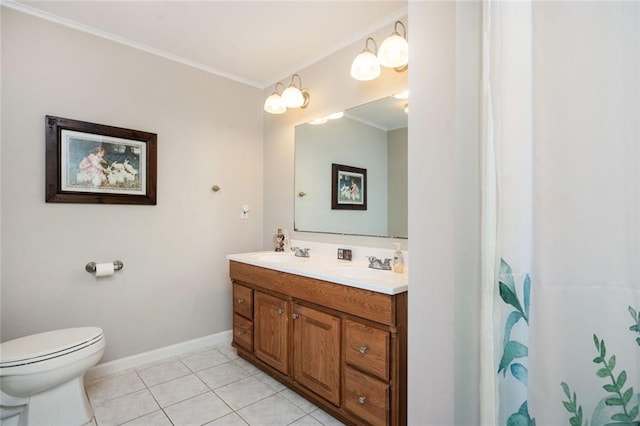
287, 241
398, 260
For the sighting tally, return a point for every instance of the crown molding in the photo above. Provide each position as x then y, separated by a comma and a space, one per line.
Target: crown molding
20, 7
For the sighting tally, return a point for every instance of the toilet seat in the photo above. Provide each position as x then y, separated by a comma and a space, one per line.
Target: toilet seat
48, 345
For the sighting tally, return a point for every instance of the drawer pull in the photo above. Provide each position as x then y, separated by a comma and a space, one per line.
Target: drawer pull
240, 333
362, 399
280, 311
363, 349
295, 316
240, 301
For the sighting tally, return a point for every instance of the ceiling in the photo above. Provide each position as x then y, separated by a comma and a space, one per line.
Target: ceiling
253, 42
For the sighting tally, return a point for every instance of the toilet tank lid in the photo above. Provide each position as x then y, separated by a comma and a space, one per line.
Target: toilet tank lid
45, 343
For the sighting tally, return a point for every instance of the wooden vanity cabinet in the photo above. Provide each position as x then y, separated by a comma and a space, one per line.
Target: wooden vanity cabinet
341, 347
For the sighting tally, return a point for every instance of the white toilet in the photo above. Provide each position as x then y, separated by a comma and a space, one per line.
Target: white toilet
42, 377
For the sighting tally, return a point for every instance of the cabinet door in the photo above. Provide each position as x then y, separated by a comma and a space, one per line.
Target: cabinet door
271, 331
316, 352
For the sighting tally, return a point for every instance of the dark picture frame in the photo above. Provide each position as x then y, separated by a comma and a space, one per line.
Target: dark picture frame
99, 164
348, 187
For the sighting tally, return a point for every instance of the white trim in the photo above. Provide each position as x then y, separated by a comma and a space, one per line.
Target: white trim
137, 360
21, 7
12, 4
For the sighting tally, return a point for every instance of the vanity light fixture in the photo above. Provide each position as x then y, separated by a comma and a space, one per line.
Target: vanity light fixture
274, 103
365, 66
295, 96
394, 50
393, 53
291, 97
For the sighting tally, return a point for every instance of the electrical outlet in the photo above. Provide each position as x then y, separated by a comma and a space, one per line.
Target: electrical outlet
344, 254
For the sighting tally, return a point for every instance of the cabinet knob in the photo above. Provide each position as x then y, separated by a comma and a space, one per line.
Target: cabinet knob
362, 399
240, 301
280, 311
240, 332
295, 316
363, 349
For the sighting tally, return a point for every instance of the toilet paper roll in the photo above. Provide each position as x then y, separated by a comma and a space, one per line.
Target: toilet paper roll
104, 269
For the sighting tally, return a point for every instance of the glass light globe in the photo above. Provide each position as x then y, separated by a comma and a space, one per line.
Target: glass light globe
274, 105
365, 66
292, 97
394, 51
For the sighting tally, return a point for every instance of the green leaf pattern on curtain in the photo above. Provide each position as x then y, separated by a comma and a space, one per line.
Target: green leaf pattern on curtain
512, 349
620, 406
635, 327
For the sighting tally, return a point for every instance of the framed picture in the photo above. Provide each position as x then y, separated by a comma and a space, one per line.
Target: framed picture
348, 188
94, 163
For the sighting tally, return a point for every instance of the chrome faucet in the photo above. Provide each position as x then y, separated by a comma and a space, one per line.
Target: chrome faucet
375, 263
300, 252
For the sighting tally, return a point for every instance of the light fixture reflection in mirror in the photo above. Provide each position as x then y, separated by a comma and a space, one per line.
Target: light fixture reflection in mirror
372, 136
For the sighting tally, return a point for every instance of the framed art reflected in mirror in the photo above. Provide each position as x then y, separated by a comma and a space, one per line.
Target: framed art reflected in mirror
348, 188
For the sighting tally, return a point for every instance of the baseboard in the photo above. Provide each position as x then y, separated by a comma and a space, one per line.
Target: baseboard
157, 354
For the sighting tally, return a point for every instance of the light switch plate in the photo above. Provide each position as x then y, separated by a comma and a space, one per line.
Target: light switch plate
244, 211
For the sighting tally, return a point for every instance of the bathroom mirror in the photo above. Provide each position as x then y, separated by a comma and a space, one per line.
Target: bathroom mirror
370, 137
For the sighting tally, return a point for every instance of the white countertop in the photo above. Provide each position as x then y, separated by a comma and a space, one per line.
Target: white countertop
352, 274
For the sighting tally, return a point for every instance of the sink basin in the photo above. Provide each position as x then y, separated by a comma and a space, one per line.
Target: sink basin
357, 272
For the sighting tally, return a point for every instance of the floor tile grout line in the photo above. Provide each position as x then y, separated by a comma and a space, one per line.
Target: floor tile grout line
154, 398
251, 374
194, 373
213, 391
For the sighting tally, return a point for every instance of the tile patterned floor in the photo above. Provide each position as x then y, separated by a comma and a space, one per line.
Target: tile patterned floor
212, 386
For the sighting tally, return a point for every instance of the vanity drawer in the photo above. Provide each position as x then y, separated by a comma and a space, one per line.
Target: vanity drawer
366, 397
243, 301
367, 348
243, 332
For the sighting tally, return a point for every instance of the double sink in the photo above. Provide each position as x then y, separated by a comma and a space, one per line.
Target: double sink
354, 274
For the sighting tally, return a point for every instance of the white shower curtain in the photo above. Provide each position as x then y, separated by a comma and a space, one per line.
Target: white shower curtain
561, 213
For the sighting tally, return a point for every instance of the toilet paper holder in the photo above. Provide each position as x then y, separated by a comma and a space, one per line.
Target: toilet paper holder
91, 266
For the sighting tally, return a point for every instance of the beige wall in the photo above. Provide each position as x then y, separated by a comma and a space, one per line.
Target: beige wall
444, 213
174, 286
